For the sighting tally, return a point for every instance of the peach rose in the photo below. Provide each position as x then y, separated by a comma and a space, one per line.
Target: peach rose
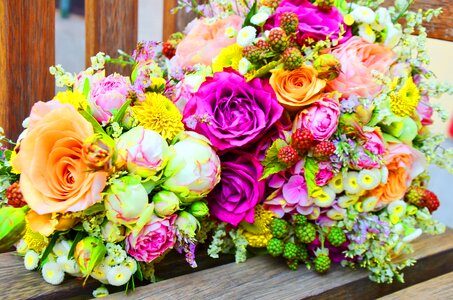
404, 164
46, 224
205, 40
53, 177
358, 58
297, 88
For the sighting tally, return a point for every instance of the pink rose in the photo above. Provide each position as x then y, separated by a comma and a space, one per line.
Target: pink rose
321, 118
153, 240
324, 174
374, 142
358, 59
425, 111
107, 95
205, 40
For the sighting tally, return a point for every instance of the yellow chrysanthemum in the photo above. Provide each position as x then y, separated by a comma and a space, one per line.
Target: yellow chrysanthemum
34, 240
258, 234
75, 98
158, 113
13, 155
228, 57
404, 102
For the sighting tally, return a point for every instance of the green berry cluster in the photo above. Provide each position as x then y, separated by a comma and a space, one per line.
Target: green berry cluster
336, 236
306, 233
322, 263
279, 228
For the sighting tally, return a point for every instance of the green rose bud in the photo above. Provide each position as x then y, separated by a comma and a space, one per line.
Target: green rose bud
88, 253
187, 223
166, 203
199, 209
112, 232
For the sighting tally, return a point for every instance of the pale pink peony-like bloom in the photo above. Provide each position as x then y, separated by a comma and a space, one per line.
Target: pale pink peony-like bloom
358, 59
153, 240
321, 118
325, 173
204, 41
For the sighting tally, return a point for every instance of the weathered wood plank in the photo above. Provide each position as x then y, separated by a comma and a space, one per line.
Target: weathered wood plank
438, 28
267, 278
18, 283
437, 288
27, 50
110, 25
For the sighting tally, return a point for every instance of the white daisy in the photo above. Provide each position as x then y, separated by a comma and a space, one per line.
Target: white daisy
244, 65
62, 248
397, 208
31, 260
119, 275
246, 36
259, 19
324, 196
369, 179
367, 33
362, 14
52, 273
100, 292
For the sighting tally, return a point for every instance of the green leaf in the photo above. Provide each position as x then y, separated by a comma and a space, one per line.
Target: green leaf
251, 13
139, 273
96, 126
271, 163
49, 247
311, 167
120, 115
79, 236
86, 87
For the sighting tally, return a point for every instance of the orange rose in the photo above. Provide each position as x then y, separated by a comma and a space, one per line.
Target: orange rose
404, 164
297, 88
53, 177
46, 224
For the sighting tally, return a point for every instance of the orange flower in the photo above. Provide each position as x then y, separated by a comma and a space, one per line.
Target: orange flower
297, 88
46, 224
54, 178
404, 164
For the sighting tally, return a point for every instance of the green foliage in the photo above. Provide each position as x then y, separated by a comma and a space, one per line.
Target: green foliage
271, 163
311, 168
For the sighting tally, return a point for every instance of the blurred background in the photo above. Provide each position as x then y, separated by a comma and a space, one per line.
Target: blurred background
70, 53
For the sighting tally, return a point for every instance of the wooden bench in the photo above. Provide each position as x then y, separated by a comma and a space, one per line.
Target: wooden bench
27, 50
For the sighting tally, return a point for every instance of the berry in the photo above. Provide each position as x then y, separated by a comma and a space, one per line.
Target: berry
302, 140
288, 155
414, 196
293, 264
307, 233
14, 195
336, 236
263, 45
292, 58
289, 22
291, 251
325, 5
278, 39
275, 247
324, 150
252, 53
322, 263
168, 50
302, 253
431, 201
300, 220
279, 228
271, 3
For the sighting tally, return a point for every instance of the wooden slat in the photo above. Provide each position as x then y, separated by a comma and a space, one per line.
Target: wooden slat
437, 288
27, 50
18, 283
175, 22
110, 25
267, 278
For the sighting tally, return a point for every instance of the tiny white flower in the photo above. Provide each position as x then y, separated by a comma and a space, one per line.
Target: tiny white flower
397, 208
383, 16
363, 14
367, 33
119, 275
100, 292
265, 10
100, 272
369, 203
52, 273
21, 246
230, 32
244, 65
69, 265
31, 260
130, 263
259, 19
246, 36
62, 248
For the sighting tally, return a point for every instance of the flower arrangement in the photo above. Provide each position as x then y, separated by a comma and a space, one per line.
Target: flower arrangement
296, 127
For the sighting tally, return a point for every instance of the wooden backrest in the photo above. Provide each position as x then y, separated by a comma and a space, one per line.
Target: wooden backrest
27, 39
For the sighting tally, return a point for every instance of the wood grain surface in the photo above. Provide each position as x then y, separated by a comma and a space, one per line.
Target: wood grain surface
27, 50
268, 278
438, 288
110, 25
439, 28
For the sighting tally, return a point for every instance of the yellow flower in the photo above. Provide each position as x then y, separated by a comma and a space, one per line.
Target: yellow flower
158, 113
228, 57
76, 99
258, 234
34, 240
404, 102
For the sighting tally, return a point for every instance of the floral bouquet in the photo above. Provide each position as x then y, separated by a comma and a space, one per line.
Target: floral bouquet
294, 128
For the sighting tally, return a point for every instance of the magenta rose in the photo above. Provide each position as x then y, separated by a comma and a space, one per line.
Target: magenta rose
325, 173
107, 96
231, 112
321, 118
153, 240
313, 22
234, 199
